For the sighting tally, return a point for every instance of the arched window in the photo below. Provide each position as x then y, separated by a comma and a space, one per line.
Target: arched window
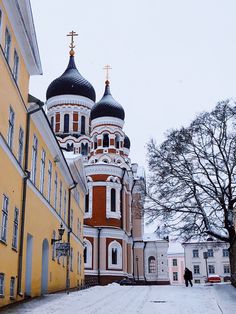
105, 140
66, 123
114, 255
117, 141
84, 149
113, 200
70, 147
151, 264
52, 123
95, 140
87, 254
82, 124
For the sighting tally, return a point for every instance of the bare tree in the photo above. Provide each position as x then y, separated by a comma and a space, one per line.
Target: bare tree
192, 184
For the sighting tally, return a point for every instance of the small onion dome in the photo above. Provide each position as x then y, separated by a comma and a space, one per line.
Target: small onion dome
126, 142
107, 106
71, 82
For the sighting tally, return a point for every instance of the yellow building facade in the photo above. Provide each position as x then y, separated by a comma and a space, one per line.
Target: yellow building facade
40, 191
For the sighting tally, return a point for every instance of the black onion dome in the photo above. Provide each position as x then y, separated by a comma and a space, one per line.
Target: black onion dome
126, 142
107, 106
71, 82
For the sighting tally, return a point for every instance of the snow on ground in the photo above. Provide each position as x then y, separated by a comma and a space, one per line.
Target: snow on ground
115, 299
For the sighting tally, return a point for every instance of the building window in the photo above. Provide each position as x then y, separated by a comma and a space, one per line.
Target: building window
4, 218
197, 281
12, 287
117, 141
211, 269
225, 252
42, 171
226, 269
54, 245
175, 276
83, 125
66, 123
1, 284
210, 253
195, 253
52, 123
151, 265
49, 180
64, 206
55, 191
15, 65
34, 159
174, 262
11, 123
84, 149
114, 256
21, 146
71, 259
58, 119
87, 203
15, 228
113, 200
105, 140
7, 47
95, 140
60, 198
88, 254
196, 269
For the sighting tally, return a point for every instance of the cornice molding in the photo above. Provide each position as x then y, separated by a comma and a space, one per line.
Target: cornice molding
69, 99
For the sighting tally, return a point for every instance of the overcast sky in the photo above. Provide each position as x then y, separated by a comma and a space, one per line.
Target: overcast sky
170, 59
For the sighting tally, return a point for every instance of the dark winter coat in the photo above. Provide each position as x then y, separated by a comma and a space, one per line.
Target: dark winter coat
188, 275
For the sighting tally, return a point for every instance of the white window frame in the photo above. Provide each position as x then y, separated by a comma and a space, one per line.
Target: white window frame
7, 44
2, 284
11, 127
211, 253
174, 260
210, 268
175, 276
20, 145
49, 180
12, 287
34, 159
88, 245
116, 245
55, 190
196, 269
16, 63
195, 255
42, 171
225, 252
15, 229
226, 266
109, 213
4, 219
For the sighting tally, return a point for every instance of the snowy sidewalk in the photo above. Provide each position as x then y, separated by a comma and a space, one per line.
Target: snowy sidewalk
115, 299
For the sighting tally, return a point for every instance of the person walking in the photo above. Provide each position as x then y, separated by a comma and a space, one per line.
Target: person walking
188, 276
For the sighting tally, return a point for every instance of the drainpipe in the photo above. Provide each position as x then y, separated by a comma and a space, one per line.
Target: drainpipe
24, 190
68, 238
99, 271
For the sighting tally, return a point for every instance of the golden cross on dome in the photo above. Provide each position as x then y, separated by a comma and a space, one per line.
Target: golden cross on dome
107, 68
72, 46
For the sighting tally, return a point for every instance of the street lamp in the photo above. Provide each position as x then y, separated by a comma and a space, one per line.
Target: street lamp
137, 267
61, 231
205, 256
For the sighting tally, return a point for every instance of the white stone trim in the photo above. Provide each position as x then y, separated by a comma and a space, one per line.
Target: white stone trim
21, 19
103, 169
106, 121
107, 233
115, 245
69, 99
88, 244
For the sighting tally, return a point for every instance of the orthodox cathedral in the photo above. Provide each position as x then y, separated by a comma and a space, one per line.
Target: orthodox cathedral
114, 245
